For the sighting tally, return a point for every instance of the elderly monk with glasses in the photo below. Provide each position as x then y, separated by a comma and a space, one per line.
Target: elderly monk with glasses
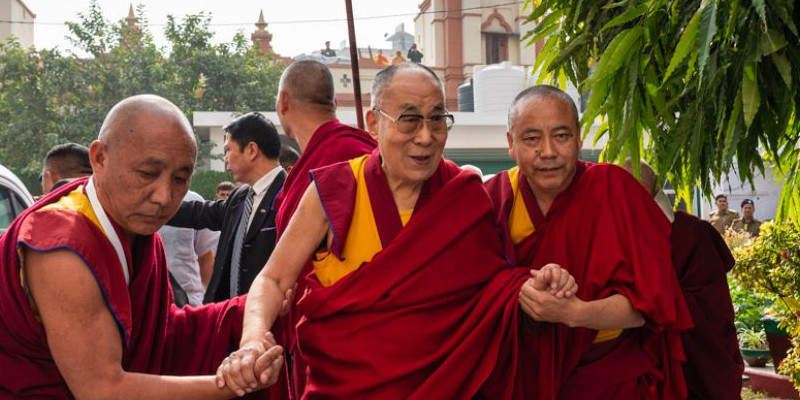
411, 295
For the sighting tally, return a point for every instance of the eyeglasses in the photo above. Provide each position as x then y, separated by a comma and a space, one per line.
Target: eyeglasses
412, 123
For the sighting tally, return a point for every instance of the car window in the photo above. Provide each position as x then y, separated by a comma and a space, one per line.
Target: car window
7, 212
18, 204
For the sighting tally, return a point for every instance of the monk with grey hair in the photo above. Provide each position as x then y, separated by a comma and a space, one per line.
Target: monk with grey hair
410, 296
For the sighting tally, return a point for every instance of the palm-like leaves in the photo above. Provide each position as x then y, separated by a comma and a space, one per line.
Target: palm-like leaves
709, 83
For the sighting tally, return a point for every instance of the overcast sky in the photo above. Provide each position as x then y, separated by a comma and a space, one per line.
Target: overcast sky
297, 26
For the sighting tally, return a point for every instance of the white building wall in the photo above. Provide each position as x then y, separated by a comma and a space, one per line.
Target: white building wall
22, 22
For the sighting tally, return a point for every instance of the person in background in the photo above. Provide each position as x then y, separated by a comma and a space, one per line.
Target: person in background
246, 218
224, 189
288, 158
748, 223
414, 55
714, 366
190, 257
64, 162
398, 58
723, 218
328, 51
306, 107
381, 59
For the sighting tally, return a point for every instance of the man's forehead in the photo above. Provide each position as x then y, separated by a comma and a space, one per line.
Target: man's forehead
163, 162
408, 91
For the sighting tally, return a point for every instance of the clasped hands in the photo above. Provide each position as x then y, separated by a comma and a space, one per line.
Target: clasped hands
255, 365
549, 294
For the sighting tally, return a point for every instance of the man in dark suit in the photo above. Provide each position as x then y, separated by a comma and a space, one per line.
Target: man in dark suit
246, 217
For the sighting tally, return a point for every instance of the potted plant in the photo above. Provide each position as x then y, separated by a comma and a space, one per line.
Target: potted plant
753, 345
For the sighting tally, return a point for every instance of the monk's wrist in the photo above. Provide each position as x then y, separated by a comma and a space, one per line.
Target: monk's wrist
251, 339
578, 312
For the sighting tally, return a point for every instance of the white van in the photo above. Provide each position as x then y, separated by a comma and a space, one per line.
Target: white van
14, 197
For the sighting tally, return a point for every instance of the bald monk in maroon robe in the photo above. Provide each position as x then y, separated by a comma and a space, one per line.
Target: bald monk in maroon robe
84, 290
597, 222
714, 366
306, 108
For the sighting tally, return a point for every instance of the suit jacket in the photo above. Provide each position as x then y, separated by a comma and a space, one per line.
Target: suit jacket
224, 215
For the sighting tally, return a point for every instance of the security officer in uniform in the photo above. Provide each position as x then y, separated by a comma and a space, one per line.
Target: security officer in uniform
723, 218
748, 223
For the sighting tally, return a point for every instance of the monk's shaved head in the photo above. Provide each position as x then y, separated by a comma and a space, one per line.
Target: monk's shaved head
143, 161
136, 113
647, 176
310, 82
541, 91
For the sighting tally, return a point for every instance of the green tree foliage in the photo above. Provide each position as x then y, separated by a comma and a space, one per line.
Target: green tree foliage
699, 88
49, 97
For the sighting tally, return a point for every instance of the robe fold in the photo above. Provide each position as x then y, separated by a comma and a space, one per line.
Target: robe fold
331, 143
156, 336
433, 315
610, 235
702, 260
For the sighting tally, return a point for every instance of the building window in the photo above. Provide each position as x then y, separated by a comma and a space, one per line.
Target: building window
496, 48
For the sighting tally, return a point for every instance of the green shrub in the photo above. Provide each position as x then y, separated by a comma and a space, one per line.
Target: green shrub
770, 268
205, 182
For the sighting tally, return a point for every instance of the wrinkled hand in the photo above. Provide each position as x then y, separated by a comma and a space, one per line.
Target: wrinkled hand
288, 299
555, 279
543, 306
253, 367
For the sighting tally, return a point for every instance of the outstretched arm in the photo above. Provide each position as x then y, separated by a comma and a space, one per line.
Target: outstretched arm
307, 228
85, 342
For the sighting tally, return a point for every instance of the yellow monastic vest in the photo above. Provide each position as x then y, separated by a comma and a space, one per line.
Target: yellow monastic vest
363, 240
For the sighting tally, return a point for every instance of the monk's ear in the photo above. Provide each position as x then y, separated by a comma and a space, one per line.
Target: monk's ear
98, 155
510, 139
372, 123
282, 103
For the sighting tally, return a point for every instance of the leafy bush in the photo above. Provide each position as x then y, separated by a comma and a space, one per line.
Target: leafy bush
205, 182
748, 306
770, 268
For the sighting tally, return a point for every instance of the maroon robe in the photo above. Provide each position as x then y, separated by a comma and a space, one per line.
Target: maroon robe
156, 336
434, 315
610, 235
331, 143
714, 366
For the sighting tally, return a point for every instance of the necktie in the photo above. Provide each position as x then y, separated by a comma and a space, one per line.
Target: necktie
238, 241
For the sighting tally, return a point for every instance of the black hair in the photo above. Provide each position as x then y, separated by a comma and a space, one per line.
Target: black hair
68, 160
255, 127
